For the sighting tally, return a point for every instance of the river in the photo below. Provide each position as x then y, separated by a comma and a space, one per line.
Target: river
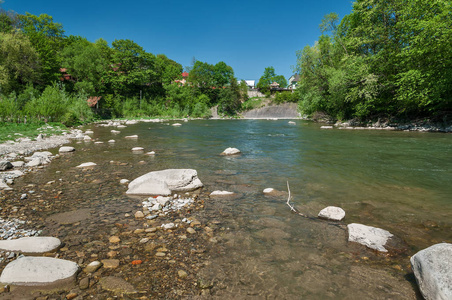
398, 181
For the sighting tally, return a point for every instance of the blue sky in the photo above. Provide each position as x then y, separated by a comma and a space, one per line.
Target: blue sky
247, 35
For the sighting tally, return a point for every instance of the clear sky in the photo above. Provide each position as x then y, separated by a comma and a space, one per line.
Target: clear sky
248, 35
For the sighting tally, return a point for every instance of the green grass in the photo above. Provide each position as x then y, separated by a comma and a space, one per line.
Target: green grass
12, 131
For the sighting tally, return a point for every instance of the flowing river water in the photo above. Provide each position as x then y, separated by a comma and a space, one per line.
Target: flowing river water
397, 181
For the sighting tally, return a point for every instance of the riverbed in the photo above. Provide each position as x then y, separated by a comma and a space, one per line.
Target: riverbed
254, 247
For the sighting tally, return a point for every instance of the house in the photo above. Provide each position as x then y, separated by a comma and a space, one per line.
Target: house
293, 80
184, 78
274, 85
251, 84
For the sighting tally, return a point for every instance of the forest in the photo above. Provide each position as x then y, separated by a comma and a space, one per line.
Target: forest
48, 76
387, 58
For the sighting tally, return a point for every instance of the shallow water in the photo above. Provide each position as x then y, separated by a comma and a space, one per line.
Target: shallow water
398, 181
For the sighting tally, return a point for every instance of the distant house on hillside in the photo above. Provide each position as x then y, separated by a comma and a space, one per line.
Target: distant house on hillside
251, 84
274, 85
184, 78
293, 80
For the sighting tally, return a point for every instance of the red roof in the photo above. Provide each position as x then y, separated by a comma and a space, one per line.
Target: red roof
92, 101
185, 74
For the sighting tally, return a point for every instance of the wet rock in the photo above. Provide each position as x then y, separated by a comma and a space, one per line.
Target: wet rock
132, 136
66, 149
87, 138
292, 123
71, 217
39, 271
137, 149
432, 268
114, 239
111, 141
117, 285
31, 245
86, 165
139, 215
374, 238
124, 181
5, 165
150, 153
190, 230
221, 193
268, 190
182, 274
326, 127
332, 213
84, 283
231, 151
92, 267
3, 185
164, 182
168, 226
110, 263
176, 124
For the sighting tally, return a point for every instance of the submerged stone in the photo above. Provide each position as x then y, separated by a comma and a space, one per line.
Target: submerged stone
374, 238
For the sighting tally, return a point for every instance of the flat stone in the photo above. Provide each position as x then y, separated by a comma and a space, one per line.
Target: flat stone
139, 215
86, 165
34, 162
111, 141
117, 285
132, 136
164, 182
110, 263
221, 193
374, 238
332, 213
31, 245
71, 217
182, 274
191, 230
18, 164
66, 149
124, 181
432, 268
231, 151
32, 271
176, 124
137, 149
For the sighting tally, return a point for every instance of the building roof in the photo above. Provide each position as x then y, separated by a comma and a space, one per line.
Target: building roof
185, 74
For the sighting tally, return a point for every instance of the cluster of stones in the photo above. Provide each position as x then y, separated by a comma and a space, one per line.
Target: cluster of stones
164, 205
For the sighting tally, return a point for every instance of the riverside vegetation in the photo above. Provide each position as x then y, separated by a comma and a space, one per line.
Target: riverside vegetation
383, 60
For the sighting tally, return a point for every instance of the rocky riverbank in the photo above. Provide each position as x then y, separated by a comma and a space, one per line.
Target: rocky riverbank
139, 251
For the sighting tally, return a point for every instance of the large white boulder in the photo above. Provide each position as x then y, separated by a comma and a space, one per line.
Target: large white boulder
332, 213
31, 245
372, 237
164, 182
432, 268
33, 271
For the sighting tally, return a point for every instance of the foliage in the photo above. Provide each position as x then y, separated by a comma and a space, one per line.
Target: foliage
388, 58
268, 78
18, 62
285, 96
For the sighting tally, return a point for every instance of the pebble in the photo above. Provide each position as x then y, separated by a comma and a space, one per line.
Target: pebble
182, 274
114, 239
84, 283
139, 215
110, 263
92, 267
191, 230
71, 296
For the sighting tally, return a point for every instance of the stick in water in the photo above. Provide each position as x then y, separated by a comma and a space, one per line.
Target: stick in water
292, 208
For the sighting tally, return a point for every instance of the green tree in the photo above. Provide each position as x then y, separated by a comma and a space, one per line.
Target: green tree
268, 77
18, 62
46, 37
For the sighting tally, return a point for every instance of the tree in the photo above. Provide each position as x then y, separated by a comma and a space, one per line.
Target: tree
18, 62
269, 77
46, 37
86, 65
